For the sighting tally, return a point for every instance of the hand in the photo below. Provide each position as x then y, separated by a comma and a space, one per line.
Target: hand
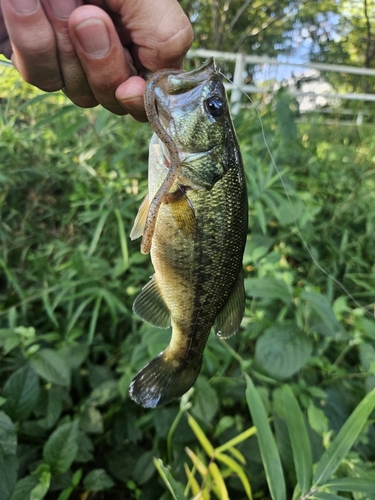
94, 52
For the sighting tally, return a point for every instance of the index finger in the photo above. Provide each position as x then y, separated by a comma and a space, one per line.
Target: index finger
33, 44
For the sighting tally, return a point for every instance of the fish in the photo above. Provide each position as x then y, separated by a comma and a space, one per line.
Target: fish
196, 229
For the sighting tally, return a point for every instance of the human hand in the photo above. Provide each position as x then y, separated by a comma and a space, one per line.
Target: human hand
94, 52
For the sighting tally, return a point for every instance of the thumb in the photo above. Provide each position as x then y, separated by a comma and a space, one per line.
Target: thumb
159, 32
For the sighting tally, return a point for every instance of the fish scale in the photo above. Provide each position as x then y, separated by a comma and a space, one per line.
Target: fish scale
199, 235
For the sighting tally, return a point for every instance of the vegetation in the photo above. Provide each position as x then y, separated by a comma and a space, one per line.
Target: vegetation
283, 410
329, 31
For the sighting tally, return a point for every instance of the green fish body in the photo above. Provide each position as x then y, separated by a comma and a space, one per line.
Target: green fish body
200, 232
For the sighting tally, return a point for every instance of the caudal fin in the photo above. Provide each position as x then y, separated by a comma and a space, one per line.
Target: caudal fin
162, 380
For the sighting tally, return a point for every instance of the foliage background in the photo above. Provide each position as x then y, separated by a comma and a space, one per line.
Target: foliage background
71, 183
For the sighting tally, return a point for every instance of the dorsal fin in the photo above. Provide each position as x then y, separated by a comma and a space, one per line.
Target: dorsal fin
229, 318
150, 306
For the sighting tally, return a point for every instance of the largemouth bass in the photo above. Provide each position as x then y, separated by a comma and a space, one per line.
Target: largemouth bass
199, 232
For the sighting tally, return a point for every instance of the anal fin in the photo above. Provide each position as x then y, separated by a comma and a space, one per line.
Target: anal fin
150, 306
140, 220
229, 318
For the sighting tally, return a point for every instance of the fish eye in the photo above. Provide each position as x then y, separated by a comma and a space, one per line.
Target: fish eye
215, 106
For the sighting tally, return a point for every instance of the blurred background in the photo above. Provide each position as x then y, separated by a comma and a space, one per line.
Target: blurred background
71, 183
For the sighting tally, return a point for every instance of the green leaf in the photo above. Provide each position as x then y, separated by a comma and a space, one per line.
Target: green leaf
74, 355
98, 480
344, 440
354, 484
51, 366
51, 403
174, 487
22, 391
299, 439
8, 437
66, 493
323, 309
61, 447
8, 477
98, 232
267, 444
24, 487
321, 495
92, 420
289, 211
40, 490
123, 240
144, 468
317, 419
261, 216
94, 319
103, 393
206, 402
268, 288
282, 350
85, 449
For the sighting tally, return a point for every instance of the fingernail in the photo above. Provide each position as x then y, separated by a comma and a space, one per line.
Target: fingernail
25, 6
94, 38
62, 8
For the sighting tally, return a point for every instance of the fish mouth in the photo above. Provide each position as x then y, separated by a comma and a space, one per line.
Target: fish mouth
179, 93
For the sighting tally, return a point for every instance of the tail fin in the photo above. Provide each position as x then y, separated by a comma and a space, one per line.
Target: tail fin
162, 380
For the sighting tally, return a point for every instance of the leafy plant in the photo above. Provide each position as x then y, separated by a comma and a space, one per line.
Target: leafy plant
296, 426
315, 482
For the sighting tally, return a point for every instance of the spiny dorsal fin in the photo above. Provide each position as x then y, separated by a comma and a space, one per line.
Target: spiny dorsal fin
140, 220
150, 306
183, 215
229, 318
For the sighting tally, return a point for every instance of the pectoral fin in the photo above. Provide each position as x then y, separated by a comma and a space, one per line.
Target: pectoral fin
229, 319
183, 215
140, 220
150, 306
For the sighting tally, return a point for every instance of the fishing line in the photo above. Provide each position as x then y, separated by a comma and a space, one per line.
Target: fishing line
314, 260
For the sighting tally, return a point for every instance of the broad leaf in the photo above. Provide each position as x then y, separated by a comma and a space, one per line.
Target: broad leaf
51, 403
24, 487
103, 393
8, 477
97, 480
41, 489
92, 420
21, 391
206, 401
51, 366
267, 288
323, 309
8, 437
144, 468
282, 350
61, 448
